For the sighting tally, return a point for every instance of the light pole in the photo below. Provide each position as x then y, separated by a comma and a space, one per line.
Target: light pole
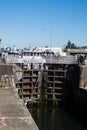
30, 45
50, 40
50, 44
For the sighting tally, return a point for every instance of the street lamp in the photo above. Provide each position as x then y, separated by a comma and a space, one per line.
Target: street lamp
50, 42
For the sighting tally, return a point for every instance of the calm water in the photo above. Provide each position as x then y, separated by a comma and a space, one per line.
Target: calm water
48, 118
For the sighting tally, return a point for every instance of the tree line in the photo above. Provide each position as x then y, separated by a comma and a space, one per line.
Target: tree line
71, 45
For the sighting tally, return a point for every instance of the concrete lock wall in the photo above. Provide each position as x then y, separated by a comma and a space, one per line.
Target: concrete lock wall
7, 81
7, 75
83, 76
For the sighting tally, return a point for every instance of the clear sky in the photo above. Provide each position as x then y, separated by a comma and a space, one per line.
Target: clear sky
33, 23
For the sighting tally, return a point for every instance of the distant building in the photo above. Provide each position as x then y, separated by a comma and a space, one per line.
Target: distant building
77, 51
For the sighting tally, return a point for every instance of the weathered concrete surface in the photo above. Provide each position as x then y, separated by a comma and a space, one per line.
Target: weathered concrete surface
83, 76
7, 75
7, 69
13, 113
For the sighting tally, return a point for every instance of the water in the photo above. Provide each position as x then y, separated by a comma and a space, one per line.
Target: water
48, 118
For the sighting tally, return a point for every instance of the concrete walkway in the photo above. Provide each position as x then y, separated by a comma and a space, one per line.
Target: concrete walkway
13, 113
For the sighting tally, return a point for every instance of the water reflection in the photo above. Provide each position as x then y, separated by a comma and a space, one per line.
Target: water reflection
49, 118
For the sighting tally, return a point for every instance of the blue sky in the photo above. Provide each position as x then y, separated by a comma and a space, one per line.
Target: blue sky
52, 23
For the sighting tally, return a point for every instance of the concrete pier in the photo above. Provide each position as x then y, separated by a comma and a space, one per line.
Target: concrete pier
14, 115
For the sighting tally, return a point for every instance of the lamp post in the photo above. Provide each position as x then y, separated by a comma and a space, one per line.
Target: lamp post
50, 41
50, 44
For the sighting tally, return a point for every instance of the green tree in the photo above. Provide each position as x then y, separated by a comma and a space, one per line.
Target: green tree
70, 45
